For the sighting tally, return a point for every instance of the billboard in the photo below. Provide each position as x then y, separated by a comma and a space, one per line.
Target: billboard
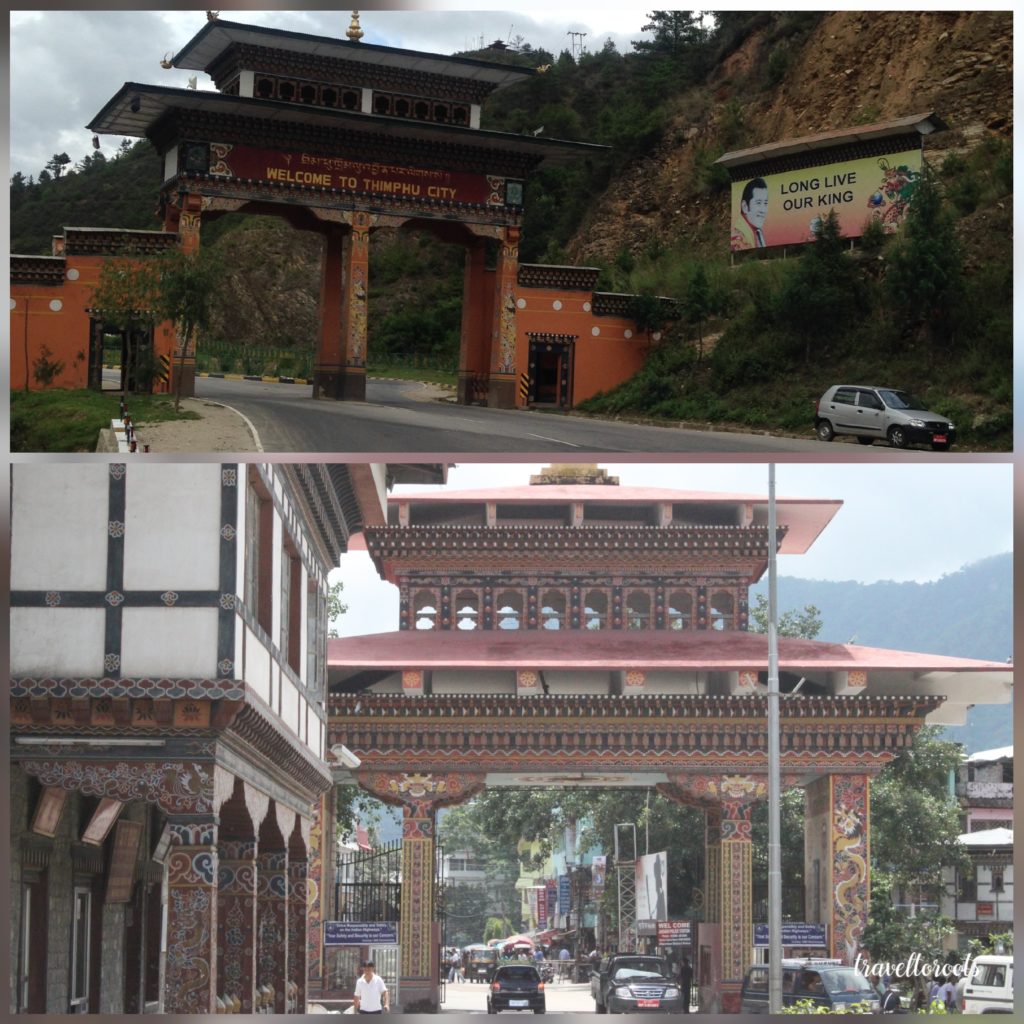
785, 208
794, 933
652, 887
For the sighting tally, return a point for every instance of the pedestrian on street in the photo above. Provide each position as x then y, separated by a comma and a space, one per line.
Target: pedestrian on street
455, 972
685, 981
371, 995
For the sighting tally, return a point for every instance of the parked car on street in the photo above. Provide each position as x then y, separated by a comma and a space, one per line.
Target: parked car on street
872, 413
631, 983
823, 982
516, 987
990, 987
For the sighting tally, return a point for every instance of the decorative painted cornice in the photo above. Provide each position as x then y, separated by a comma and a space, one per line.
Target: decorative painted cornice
44, 270
660, 732
538, 275
117, 242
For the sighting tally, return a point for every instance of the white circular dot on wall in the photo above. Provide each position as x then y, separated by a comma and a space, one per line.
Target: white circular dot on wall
595, 331
586, 307
656, 336
14, 303
629, 334
521, 303
56, 305
557, 304
73, 274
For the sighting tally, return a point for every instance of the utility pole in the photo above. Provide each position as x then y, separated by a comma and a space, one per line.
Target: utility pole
774, 779
576, 43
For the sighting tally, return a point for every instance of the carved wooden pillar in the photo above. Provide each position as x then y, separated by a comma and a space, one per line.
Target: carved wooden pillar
183, 363
190, 978
730, 798
419, 795
297, 931
272, 908
736, 900
330, 350
316, 892
236, 920
355, 295
473, 364
836, 857
712, 863
502, 390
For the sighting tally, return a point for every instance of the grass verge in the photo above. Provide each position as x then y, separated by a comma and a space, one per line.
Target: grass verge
70, 421
412, 373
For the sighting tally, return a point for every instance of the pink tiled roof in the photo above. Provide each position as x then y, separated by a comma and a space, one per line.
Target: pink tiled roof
709, 650
804, 518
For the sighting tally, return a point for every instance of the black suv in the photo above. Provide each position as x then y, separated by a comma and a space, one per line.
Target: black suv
828, 983
516, 987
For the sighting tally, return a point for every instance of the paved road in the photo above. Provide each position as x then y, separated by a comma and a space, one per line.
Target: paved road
559, 997
404, 416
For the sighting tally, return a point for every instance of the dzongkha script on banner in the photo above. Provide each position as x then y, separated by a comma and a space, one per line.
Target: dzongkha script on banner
786, 208
318, 171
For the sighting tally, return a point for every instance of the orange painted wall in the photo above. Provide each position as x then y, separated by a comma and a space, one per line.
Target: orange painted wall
57, 319
608, 349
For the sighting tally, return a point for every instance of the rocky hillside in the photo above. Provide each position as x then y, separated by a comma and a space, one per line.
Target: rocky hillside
782, 82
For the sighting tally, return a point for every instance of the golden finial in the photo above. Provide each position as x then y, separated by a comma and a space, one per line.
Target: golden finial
355, 33
166, 62
543, 69
212, 15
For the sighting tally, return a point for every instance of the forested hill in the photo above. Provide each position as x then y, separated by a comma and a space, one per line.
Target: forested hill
966, 614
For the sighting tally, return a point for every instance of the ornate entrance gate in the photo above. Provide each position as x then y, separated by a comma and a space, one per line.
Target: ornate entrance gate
345, 138
583, 634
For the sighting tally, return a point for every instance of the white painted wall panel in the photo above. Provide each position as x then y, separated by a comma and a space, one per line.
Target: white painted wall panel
257, 666
175, 642
289, 704
57, 642
59, 525
495, 681
172, 527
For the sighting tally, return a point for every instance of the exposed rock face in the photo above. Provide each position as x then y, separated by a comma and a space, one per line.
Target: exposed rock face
853, 68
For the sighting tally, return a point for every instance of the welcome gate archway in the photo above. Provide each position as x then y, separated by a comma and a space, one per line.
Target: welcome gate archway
573, 630
358, 137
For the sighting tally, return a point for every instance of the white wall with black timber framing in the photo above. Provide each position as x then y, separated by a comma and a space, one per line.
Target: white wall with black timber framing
147, 570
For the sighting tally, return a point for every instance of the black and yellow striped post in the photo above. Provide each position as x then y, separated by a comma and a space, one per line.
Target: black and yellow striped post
524, 387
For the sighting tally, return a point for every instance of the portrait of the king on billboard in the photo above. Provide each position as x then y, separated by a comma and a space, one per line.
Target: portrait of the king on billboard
786, 208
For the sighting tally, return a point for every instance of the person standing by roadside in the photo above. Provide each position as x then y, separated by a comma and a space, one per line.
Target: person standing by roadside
371, 995
685, 981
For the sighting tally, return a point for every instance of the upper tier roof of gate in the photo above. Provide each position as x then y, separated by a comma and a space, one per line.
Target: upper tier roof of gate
802, 519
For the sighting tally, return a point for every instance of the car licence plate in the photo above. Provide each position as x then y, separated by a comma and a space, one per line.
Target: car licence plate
939, 438
648, 1004
519, 1002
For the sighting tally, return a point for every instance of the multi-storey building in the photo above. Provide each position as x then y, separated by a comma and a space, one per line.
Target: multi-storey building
168, 762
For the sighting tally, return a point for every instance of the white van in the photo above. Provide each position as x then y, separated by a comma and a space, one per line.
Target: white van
990, 988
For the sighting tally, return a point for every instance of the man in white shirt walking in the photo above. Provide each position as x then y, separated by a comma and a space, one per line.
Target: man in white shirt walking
371, 994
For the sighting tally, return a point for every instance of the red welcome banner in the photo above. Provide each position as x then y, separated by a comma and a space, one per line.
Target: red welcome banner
314, 170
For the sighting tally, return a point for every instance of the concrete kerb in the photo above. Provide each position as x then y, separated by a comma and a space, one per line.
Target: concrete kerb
302, 380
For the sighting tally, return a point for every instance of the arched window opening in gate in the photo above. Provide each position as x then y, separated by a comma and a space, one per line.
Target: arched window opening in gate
467, 609
680, 610
510, 609
425, 610
595, 612
722, 611
553, 610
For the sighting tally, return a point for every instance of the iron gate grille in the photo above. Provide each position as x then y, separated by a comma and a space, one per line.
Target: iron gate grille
368, 884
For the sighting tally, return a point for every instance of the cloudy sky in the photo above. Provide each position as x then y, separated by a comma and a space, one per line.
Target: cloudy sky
65, 65
906, 522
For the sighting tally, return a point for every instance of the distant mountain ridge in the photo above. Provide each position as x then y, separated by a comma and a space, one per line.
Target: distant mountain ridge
967, 614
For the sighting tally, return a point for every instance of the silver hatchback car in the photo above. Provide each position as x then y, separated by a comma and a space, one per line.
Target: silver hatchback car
867, 412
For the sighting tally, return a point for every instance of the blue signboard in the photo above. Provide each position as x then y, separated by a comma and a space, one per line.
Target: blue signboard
564, 894
794, 933
360, 933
